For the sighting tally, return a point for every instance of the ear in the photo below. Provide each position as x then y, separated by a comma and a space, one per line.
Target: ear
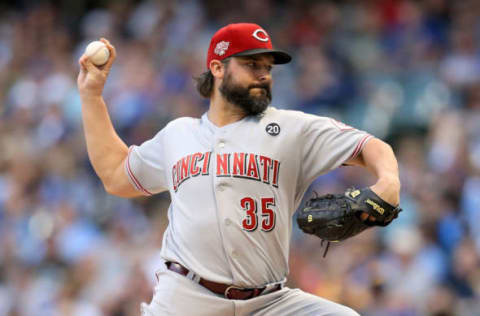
217, 68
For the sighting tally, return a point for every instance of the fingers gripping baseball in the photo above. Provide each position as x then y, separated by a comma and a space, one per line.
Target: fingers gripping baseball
113, 54
91, 79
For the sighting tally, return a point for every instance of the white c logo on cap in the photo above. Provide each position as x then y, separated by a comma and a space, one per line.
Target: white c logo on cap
264, 37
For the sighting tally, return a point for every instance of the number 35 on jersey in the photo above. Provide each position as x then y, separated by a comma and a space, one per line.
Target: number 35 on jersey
252, 216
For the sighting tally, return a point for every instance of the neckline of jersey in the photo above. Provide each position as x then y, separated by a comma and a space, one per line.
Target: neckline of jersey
224, 128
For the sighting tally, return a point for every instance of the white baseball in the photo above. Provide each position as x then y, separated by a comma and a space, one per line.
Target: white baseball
97, 52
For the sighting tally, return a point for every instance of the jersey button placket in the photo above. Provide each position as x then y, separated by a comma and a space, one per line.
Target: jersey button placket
221, 144
220, 187
235, 254
219, 149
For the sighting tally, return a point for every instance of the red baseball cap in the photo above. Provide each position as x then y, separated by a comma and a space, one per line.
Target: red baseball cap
243, 39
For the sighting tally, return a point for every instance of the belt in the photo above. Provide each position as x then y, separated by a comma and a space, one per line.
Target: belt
229, 291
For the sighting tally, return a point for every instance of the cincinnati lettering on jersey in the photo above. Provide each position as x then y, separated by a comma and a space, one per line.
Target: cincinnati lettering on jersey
238, 165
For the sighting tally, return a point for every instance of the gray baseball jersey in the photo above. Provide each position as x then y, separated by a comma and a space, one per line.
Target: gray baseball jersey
235, 188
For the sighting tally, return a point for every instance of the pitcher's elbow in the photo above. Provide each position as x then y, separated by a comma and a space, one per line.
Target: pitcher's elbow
109, 188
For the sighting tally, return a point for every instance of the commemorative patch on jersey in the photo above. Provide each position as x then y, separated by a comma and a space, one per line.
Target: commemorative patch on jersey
273, 129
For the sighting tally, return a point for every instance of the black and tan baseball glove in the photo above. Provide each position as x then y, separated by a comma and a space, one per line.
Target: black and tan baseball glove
338, 217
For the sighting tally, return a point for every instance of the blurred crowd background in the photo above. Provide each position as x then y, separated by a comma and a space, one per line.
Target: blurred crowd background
406, 71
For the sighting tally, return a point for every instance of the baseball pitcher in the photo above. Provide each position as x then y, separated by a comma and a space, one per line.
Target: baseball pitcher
236, 175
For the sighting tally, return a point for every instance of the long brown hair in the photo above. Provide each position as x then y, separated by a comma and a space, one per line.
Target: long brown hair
204, 82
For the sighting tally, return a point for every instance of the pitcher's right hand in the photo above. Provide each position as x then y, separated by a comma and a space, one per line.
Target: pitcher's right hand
91, 78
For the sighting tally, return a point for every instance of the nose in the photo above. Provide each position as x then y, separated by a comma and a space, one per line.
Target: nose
264, 76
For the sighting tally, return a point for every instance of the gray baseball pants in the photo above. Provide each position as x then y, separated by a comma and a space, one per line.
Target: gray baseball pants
177, 295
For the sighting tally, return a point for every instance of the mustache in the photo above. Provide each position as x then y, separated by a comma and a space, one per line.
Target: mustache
260, 85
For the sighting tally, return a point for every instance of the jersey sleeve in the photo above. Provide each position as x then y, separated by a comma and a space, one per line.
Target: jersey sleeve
327, 145
144, 166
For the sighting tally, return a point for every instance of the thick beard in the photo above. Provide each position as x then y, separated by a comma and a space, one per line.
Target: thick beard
240, 96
